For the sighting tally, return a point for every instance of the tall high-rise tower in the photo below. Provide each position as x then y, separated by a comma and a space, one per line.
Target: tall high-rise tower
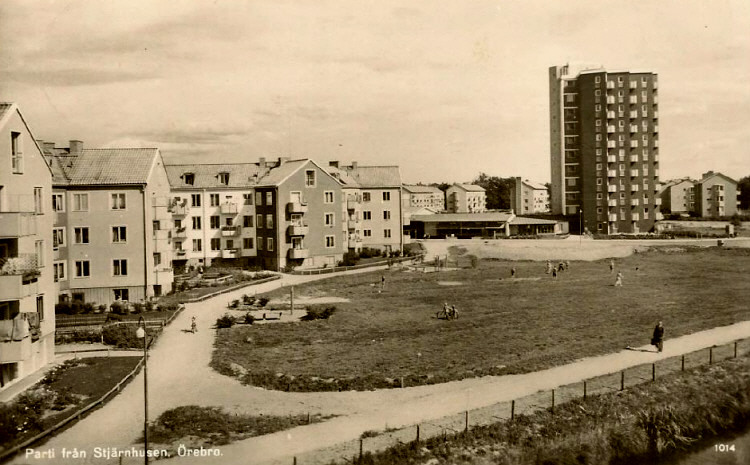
604, 141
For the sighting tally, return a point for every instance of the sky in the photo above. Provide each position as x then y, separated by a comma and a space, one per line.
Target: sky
444, 89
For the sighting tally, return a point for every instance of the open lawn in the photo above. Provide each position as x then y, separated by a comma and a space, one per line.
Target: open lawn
506, 325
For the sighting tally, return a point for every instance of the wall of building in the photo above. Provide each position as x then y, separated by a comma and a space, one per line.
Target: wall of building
377, 225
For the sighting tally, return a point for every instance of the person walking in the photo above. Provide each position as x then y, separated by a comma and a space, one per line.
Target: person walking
513, 272
611, 266
193, 326
618, 279
549, 267
658, 338
554, 273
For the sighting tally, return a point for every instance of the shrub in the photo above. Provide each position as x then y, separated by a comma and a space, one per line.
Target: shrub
226, 321
319, 312
119, 308
474, 261
247, 300
101, 308
263, 301
249, 319
138, 307
149, 306
63, 308
122, 336
76, 308
234, 304
350, 259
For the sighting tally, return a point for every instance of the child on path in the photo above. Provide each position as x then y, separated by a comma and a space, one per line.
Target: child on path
658, 338
618, 279
193, 326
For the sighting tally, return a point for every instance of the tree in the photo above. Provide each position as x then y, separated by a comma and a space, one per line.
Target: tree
744, 187
497, 190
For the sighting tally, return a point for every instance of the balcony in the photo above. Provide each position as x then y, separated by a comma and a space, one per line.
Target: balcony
228, 208
657, 201
656, 158
635, 217
611, 173
180, 252
633, 144
610, 84
352, 203
354, 242
633, 173
610, 100
658, 216
634, 202
611, 144
180, 233
611, 159
230, 231
656, 114
298, 254
179, 209
633, 99
634, 188
610, 114
634, 114
298, 229
612, 188
15, 351
612, 202
612, 217
633, 85
656, 173
18, 276
352, 223
229, 253
296, 207
656, 128
610, 129
633, 128
17, 224
656, 99
656, 143
634, 159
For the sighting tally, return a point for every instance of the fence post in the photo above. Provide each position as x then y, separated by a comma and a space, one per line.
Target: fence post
710, 355
735, 349
512, 410
466, 421
553, 401
291, 300
622, 380
294, 462
653, 372
361, 441
683, 364
417, 434
308, 418
402, 382
584, 390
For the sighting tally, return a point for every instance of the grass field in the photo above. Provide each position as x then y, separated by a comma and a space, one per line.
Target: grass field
506, 325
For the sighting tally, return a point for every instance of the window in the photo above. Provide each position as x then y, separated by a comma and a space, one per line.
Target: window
119, 234
386, 196
58, 237
597, 92
195, 200
215, 221
386, 233
328, 197
330, 242
58, 202
269, 244
197, 245
386, 215
39, 249
196, 222
189, 178
224, 178
599, 181
269, 221
598, 166
247, 221
260, 221
58, 269
598, 108
215, 244
599, 196
16, 148
365, 196
157, 258
83, 269
119, 267
247, 243
260, 243
598, 122
367, 233
81, 235
597, 79
121, 294
230, 243
310, 178
248, 198
269, 198
258, 198
329, 219
367, 215
598, 137
118, 201
80, 202
599, 210
214, 199
622, 195
571, 183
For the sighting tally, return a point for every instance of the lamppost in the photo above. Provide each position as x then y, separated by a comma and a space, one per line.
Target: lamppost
580, 225
140, 333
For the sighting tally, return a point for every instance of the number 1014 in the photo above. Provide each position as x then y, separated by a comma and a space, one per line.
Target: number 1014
724, 447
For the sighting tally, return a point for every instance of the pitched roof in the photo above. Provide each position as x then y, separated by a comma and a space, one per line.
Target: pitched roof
417, 189
206, 176
375, 176
278, 174
713, 174
5, 107
111, 166
469, 187
465, 217
535, 185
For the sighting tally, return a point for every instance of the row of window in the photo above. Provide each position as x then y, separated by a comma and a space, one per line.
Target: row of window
81, 202
82, 269
267, 199
81, 235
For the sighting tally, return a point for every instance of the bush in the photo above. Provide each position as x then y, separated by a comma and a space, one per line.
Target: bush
63, 308
226, 321
367, 252
263, 301
149, 306
319, 312
247, 300
101, 308
122, 336
119, 308
474, 261
138, 307
350, 259
249, 319
76, 308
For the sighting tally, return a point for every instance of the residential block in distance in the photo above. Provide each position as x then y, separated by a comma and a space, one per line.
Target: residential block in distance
716, 196
27, 290
466, 198
604, 148
527, 197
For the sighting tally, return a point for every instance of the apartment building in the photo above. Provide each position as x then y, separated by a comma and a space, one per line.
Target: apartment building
716, 196
418, 197
213, 212
375, 216
466, 198
27, 314
528, 197
111, 236
678, 196
604, 141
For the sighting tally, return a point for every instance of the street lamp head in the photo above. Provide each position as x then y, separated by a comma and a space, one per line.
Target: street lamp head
140, 333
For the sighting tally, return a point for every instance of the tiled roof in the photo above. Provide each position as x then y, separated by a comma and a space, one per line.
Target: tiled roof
112, 166
207, 175
375, 176
416, 189
278, 174
470, 187
535, 185
465, 217
4, 108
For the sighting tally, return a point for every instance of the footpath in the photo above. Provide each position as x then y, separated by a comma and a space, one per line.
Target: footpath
179, 374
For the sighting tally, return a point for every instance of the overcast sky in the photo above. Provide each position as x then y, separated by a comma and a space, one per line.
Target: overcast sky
445, 89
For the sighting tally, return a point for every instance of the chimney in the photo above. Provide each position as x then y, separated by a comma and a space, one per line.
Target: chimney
354, 165
49, 147
76, 147
283, 160
262, 162
334, 163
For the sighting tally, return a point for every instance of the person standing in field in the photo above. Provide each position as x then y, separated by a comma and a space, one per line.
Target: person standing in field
658, 338
554, 273
549, 267
611, 266
513, 272
618, 279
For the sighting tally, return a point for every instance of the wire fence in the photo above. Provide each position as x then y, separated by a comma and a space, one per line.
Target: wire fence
353, 451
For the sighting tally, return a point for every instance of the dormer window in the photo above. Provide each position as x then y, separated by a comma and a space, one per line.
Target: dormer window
224, 178
189, 178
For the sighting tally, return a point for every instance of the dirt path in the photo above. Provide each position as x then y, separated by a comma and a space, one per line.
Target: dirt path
179, 374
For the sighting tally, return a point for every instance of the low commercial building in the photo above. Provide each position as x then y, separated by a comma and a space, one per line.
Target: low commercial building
27, 290
488, 224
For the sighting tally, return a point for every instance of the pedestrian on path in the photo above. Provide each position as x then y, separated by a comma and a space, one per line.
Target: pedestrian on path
611, 266
554, 273
548, 270
193, 326
618, 279
513, 272
658, 338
